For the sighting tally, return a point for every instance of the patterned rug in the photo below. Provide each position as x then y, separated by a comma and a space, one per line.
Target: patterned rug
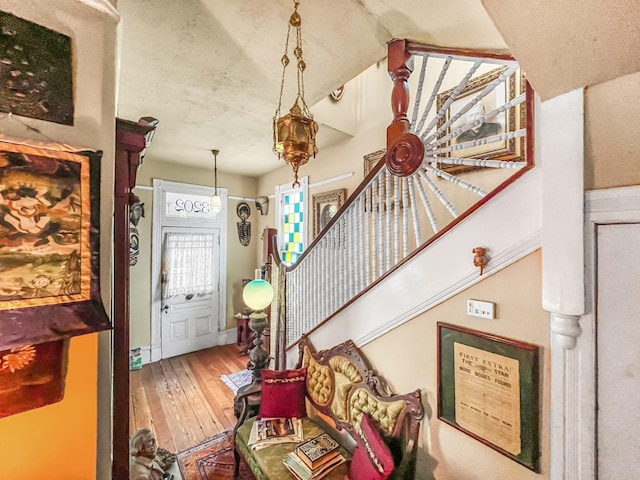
236, 380
211, 460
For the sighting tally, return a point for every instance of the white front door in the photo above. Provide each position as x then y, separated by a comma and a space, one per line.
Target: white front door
190, 312
188, 273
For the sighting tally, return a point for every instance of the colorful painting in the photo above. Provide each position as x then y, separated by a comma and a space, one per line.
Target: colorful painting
36, 78
48, 248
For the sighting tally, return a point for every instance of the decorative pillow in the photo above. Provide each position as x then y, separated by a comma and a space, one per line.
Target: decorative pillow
283, 393
372, 459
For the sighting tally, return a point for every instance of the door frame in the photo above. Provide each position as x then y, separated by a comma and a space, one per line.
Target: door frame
602, 207
160, 220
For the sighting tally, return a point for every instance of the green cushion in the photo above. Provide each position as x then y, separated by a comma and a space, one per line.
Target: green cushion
266, 463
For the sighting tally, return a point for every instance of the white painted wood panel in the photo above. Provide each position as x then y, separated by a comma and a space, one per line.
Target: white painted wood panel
618, 334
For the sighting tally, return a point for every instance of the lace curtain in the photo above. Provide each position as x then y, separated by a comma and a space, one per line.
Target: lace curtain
188, 264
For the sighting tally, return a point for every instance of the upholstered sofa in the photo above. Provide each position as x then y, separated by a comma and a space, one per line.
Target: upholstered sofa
340, 387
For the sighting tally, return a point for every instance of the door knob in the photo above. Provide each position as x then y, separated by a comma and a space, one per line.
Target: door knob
165, 308
189, 297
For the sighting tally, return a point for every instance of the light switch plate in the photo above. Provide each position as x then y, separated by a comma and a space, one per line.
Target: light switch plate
479, 308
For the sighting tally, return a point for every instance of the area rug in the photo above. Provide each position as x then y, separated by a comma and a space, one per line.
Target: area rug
236, 380
211, 460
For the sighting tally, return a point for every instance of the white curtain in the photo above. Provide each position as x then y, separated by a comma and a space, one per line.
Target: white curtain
188, 264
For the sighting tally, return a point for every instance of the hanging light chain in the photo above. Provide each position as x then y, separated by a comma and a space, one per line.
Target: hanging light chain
285, 62
294, 133
301, 67
215, 170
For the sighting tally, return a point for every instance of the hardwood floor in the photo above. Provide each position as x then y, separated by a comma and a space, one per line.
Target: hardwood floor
183, 399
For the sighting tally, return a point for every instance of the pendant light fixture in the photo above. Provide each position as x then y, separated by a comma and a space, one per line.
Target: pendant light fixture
216, 201
294, 134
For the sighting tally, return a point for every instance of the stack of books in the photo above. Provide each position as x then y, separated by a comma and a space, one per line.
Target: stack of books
269, 431
315, 458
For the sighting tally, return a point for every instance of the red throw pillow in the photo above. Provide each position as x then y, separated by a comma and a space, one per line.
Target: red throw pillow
372, 459
283, 393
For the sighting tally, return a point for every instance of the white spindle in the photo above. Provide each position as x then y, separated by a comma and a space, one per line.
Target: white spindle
380, 202
367, 237
357, 206
439, 195
405, 218
418, 95
427, 206
388, 218
455, 180
475, 162
414, 212
432, 97
353, 251
396, 220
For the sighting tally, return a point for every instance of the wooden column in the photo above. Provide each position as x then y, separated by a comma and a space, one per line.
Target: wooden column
131, 140
405, 150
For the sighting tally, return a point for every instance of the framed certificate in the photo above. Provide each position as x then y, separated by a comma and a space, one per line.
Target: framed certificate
488, 388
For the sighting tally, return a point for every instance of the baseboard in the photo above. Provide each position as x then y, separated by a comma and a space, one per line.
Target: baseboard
228, 336
151, 353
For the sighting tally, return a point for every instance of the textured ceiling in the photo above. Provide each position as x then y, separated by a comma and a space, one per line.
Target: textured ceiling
210, 70
568, 44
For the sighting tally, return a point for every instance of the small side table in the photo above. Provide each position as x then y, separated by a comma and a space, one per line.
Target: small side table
244, 332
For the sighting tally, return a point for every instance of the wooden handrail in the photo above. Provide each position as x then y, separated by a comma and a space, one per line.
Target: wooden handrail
377, 230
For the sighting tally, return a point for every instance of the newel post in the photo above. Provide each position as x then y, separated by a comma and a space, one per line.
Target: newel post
405, 150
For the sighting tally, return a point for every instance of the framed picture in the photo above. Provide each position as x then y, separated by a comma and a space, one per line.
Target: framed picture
36, 78
508, 121
325, 206
372, 159
488, 388
49, 243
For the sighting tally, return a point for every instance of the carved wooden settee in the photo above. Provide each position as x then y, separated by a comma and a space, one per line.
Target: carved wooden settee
341, 386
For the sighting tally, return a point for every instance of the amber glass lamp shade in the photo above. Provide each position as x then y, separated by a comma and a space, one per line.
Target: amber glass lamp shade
258, 294
294, 139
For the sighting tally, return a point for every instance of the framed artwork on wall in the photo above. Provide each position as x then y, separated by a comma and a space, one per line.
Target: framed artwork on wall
32, 376
489, 388
49, 243
372, 159
36, 78
507, 121
325, 206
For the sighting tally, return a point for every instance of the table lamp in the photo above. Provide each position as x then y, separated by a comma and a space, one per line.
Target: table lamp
257, 295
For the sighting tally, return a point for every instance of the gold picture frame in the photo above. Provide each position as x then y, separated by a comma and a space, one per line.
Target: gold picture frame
508, 121
372, 159
325, 206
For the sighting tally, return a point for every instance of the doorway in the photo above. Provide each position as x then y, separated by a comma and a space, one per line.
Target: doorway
188, 306
618, 355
